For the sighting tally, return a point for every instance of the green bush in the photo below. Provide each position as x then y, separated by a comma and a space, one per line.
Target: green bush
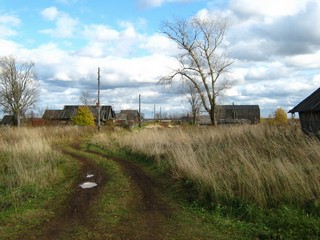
83, 117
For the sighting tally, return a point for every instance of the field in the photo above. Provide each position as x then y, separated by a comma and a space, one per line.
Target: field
260, 181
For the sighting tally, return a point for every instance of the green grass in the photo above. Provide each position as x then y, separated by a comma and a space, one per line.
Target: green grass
25, 207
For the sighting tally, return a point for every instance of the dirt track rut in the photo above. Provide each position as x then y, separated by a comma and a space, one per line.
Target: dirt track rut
146, 216
149, 212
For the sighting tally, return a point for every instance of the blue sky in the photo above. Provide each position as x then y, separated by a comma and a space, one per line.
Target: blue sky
275, 45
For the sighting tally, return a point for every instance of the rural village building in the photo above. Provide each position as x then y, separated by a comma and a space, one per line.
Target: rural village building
69, 111
7, 120
309, 113
127, 117
234, 114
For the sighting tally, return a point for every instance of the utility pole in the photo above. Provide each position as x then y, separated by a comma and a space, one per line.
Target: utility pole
98, 99
139, 110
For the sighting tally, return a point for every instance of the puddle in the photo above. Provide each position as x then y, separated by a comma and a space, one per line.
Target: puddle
89, 175
88, 185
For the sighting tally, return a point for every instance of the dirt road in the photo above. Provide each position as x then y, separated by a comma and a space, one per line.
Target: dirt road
144, 218
126, 203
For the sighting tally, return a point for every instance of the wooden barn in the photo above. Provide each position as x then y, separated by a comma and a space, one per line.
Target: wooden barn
69, 111
127, 118
234, 114
238, 114
309, 113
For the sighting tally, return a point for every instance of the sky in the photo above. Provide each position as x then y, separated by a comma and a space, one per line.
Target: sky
275, 46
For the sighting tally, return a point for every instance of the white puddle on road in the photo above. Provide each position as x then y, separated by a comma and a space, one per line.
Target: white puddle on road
88, 185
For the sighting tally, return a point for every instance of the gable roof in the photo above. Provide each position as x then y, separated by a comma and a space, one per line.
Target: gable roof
69, 111
7, 120
310, 104
134, 113
239, 107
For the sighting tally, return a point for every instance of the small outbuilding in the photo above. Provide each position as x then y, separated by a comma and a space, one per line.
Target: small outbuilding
309, 113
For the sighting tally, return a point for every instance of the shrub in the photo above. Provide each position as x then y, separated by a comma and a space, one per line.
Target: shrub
83, 117
280, 117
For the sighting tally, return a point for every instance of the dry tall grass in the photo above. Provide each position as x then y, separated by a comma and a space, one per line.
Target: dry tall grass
26, 157
261, 164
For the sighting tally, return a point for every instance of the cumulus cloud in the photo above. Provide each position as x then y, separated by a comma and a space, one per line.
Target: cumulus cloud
7, 25
65, 25
270, 8
50, 13
283, 35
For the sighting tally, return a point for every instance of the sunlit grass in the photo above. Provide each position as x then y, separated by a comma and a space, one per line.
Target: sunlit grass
29, 161
261, 164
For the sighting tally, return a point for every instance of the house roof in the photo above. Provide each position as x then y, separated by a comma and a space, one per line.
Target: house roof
310, 104
134, 113
239, 107
7, 120
69, 111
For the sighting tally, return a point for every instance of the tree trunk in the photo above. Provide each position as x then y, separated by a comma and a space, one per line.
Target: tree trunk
213, 117
16, 119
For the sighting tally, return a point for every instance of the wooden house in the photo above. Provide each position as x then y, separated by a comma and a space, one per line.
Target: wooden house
238, 114
309, 113
234, 114
127, 117
69, 111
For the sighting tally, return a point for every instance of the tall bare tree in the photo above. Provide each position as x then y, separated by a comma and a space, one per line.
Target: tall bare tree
202, 58
18, 87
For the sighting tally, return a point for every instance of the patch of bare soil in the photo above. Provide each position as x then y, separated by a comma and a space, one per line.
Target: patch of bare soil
75, 211
149, 213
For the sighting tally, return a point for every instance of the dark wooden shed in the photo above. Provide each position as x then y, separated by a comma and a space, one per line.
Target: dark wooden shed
309, 113
238, 114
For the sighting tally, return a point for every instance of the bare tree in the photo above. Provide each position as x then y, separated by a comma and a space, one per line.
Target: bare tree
193, 98
86, 97
202, 59
18, 87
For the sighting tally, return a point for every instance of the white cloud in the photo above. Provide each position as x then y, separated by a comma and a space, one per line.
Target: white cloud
7, 23
50, 13
270, 8
8, 47
158, 44
100, 33
305, 61
65, 25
